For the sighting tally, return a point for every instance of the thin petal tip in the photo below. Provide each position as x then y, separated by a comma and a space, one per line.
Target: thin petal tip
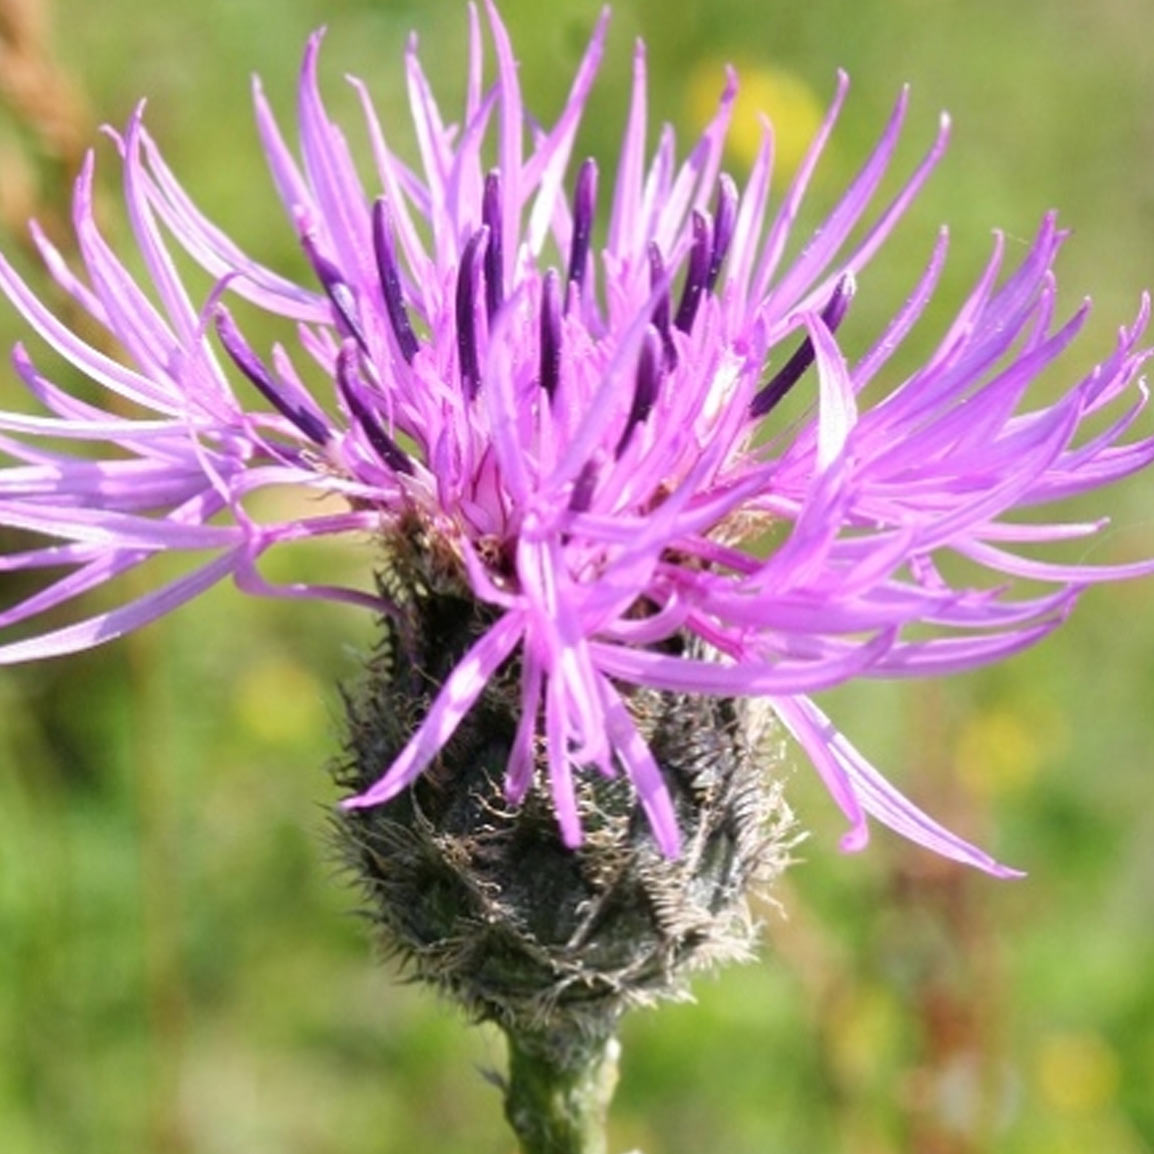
855, 840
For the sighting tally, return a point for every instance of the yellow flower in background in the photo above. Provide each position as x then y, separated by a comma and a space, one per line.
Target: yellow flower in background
1077, 1073
765, 91
1001, 750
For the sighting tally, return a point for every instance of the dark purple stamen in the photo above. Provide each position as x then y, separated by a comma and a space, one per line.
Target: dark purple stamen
467, 316
725, 218
661, 309
310, 422
790, 373
584, 205
649, 370
550, 333
699, 260
494, 268
391, 281
338, 290
387, 449
582, 496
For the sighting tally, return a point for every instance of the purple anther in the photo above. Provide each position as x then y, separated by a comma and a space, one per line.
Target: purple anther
351, 388
338, 290
467, 315
391, 281
310, 422
550, 333
582, 496
790, 373
661, 310
696, 274
494, 267
725, 217
584, 206
649, 373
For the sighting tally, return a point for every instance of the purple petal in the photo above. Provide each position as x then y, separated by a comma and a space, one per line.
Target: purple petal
461, 689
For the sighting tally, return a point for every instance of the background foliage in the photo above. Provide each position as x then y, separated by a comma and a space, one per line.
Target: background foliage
179, 969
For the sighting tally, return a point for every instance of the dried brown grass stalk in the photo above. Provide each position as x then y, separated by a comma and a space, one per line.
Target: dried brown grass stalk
47, 108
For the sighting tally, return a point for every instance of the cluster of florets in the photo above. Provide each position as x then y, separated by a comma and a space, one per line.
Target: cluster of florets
576, 413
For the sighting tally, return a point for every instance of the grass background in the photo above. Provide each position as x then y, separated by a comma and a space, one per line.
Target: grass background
179, 970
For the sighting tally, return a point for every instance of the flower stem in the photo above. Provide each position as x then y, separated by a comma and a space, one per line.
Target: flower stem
560, 1084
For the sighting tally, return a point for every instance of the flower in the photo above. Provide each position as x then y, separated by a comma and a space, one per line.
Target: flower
588, 431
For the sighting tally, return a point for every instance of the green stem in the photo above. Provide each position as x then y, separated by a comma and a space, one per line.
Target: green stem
560, 1085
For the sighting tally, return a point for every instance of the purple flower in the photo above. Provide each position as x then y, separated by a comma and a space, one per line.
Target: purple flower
589, 427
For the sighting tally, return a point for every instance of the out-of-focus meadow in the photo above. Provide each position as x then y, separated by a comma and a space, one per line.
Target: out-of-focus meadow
180, 967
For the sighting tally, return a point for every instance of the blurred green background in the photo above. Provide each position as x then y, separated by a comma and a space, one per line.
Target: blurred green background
180, 968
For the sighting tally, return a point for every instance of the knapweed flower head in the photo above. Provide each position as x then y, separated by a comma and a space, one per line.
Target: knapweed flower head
571, 386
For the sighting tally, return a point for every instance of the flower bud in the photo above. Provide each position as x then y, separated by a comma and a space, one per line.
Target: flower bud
480, 897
